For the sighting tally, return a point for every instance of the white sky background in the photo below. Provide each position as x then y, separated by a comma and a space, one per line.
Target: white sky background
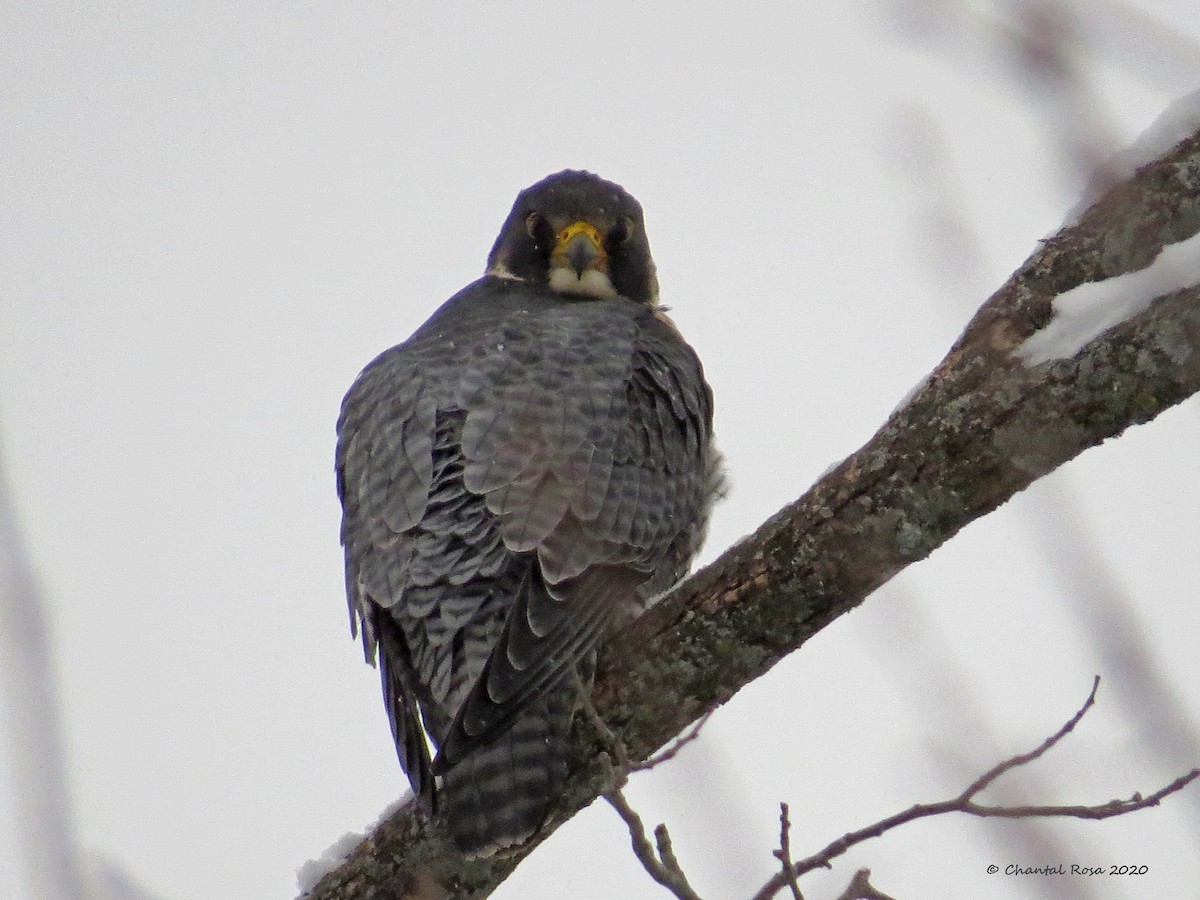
213, 215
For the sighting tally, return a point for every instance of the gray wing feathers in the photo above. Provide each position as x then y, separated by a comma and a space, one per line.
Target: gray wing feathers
385, 468
510, 497
539, 432
645, 491
544, 639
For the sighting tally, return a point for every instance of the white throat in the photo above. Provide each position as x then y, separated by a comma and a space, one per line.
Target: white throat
592, 284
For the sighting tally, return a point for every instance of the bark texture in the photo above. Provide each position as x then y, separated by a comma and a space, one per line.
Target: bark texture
982, 427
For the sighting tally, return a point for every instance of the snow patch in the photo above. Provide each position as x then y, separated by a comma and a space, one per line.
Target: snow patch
1085, 312
1180, 120
314, 870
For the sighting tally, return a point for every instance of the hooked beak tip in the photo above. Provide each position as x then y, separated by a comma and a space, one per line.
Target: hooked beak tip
579, 247
581, 252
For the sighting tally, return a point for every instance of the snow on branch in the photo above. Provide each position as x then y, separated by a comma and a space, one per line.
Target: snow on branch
1088, 310
988, 421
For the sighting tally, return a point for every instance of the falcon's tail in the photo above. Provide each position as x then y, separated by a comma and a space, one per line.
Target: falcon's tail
497, 795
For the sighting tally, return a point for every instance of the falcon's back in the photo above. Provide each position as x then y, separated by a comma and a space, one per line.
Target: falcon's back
518, 479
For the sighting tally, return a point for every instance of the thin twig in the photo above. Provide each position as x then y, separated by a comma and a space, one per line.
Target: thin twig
1098, 811
784, 853
964, 803
1022, 758
659, 859
860, 888
666, 852
662, 865
672, 750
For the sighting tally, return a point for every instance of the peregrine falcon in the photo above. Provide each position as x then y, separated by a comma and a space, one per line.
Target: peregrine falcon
521, 477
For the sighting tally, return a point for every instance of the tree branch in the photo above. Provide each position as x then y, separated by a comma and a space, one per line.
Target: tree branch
965, 803
981, 428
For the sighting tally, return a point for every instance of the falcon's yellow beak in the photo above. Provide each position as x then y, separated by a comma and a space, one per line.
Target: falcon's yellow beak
579, 263
579, 247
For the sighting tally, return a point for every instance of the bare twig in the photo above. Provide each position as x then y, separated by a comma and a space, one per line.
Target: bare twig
618, 750
1022, 758
666, 852
672, 749
860, 888
784, 853
659, 859
965, 803
660, 863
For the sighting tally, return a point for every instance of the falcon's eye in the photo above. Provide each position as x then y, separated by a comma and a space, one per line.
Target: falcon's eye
534, 225
622, 231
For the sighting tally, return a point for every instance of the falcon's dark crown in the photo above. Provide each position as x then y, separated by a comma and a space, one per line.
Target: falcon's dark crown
580, 235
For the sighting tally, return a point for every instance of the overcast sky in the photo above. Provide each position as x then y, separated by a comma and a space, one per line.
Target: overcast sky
212, 215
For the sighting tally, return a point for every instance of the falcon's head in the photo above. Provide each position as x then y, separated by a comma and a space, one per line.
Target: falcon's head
580, 235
